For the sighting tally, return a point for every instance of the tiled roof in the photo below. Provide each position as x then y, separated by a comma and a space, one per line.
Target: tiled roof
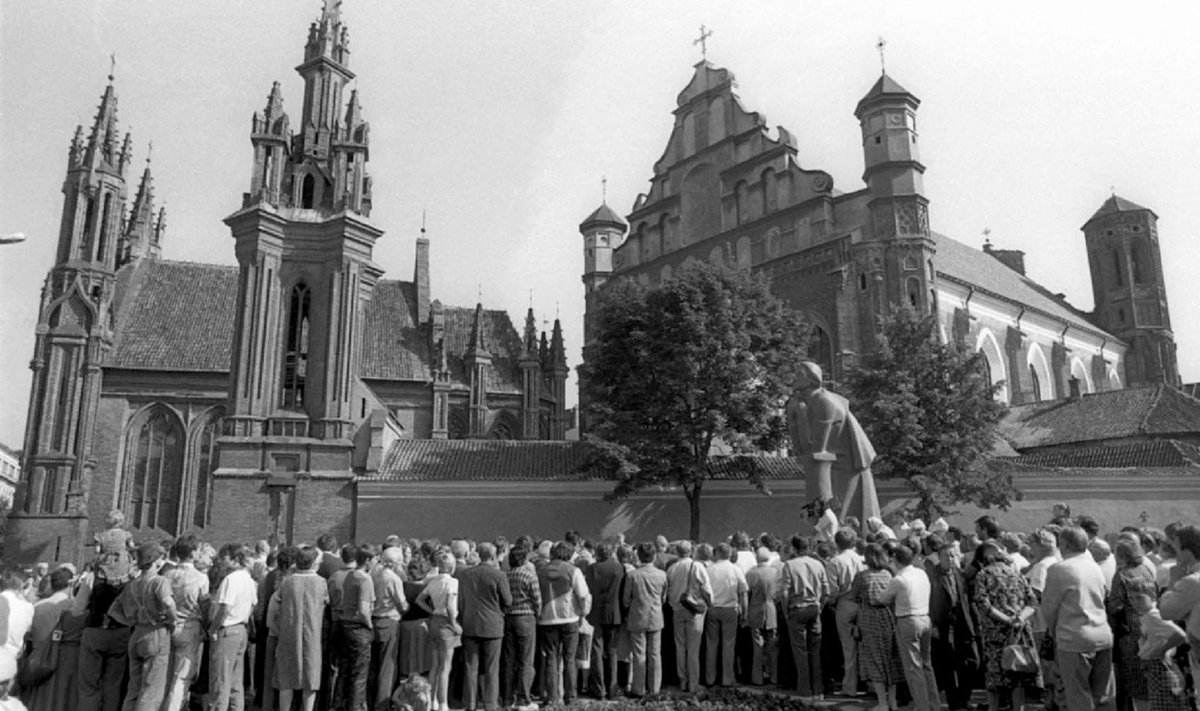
974, 267
507, 460
175, 316
1148, 411
604, 215
502, 342
1116, 204
393, 347
1156, 453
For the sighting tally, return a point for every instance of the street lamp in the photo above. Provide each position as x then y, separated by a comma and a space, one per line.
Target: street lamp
13, 238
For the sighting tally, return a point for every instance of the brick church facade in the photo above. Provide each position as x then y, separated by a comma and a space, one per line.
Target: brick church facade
728, 190
245, 402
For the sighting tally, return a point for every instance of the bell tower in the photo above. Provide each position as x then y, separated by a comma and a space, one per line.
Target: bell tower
1128, 288
894, 264
74, 335
304, 243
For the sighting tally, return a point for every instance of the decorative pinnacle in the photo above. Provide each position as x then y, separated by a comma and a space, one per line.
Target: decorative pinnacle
705, 33
880, 45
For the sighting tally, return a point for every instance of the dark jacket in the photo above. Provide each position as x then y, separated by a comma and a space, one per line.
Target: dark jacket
483, 595
604, 582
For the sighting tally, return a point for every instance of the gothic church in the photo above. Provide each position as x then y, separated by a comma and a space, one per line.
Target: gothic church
246, 401
726, 190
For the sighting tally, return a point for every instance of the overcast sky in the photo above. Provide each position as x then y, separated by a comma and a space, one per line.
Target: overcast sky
499, 119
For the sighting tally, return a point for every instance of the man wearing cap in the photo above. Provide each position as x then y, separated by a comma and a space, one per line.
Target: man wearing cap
147, 604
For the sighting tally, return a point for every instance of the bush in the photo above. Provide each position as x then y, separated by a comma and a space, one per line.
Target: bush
714, 699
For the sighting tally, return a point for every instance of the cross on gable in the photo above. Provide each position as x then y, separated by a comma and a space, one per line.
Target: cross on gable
703, 41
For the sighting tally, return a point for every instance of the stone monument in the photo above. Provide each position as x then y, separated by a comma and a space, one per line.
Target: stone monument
831, 446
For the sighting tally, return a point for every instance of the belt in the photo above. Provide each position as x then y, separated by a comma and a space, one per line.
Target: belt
919, 614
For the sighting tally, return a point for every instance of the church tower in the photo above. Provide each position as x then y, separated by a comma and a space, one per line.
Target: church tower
74, 334
304, 245
894, 264
1129, 291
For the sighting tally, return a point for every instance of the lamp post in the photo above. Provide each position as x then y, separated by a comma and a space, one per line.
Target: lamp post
13, 238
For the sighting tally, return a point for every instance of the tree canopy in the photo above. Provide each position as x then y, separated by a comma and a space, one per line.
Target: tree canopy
706, 356
931, 413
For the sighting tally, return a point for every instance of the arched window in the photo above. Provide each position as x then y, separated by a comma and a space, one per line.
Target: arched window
307, 190
201, 467
1116, 259
85, 237
741, 202
1136, 252
102, 244
821, 351
458, 424
1035, 383
295, 349
154, 471
505, 426
986, 368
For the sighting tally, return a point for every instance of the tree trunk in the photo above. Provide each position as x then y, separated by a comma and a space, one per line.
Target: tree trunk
693, 497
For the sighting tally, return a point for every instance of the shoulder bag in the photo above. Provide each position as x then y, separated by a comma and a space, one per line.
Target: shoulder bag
692, 601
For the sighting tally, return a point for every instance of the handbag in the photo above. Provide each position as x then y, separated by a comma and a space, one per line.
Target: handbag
41, 663
1020, 655
692, 602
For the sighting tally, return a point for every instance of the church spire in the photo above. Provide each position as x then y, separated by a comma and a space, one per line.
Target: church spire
102, 151
531, 334
143, 228
558, 352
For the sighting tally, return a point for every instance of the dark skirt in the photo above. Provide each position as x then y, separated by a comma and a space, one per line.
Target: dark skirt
878, 655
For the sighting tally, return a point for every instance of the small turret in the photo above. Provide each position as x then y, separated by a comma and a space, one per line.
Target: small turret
603, 231
143, 230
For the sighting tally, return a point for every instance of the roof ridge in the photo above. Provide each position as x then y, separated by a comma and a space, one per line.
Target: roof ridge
1144, 425
190, 263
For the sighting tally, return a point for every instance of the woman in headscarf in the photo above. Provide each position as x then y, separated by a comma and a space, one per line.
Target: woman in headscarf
1125, 621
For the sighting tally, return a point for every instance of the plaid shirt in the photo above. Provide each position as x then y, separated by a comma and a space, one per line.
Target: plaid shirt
526, 597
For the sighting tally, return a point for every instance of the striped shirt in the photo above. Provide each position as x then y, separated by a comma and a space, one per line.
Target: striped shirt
526, 597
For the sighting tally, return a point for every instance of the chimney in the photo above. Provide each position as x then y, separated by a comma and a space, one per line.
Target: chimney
421, 278
1073, 388
1014, 259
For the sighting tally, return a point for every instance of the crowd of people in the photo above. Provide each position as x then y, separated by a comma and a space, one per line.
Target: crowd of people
903, 614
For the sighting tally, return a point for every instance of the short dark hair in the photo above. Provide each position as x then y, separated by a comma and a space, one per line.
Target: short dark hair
285, 557
60, 579
903, 555
562, 550
874, 556
486, 552
236, 552
517, 555
603, 551
1089, 525
347, 553
645, 552
988, 524
800, 544
184, 547
305, 557
327, 542
844, 539
365, 553
1189, 539
625, 553
722, 551
740, 540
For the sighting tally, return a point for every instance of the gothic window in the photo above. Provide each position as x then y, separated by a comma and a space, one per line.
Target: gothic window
85, 238
202, 465
1035, 384
774, 246
295, 349
821, 350
307, 191
458, 424
1116, 260
985, 368
154, 471
504, 427
741, 202
102, 245
770, 191
914, 292
1136, 253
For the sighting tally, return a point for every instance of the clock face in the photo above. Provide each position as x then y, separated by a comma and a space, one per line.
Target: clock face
896, 119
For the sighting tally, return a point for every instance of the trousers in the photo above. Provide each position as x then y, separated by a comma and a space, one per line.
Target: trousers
804, 633
1087, 680
914, 636
227, 669
647, 662
149, 657
720, 636
102, 664
689, 631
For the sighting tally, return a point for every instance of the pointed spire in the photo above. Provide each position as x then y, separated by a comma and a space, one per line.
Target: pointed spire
75, 155
558, 352
143, 230
531, 334
544, 352
102, 143
478, 345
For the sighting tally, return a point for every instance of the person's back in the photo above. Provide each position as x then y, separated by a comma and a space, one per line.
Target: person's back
1075, 593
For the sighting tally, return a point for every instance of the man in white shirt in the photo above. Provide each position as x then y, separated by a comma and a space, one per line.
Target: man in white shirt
233, 604
1182, 602
729, 599
842, 569
909, 594
684, 574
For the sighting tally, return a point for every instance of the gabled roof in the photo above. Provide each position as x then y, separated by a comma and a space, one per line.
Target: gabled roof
1153, 411
503, 343
393, 346
1156, 453
508, 460
974, 267
175, 316
1117, 204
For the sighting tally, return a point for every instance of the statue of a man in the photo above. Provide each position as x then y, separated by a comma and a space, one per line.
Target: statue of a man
829, 442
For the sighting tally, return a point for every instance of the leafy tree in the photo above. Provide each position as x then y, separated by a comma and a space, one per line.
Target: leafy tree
930, 411
703, 357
